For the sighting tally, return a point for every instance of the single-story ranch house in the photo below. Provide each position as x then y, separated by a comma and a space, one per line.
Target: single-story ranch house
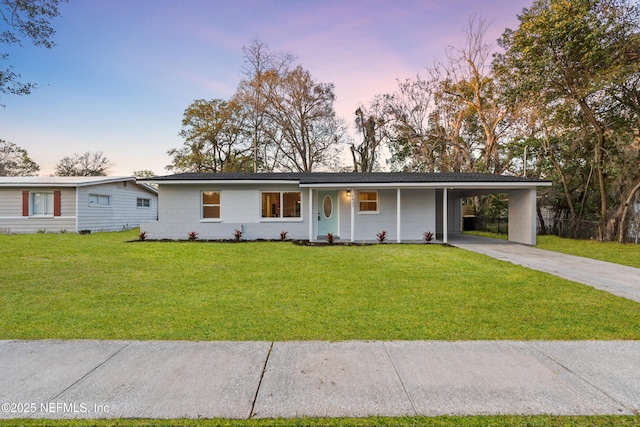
80, 204
352, 206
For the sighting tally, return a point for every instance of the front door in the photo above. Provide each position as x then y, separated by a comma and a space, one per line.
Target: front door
327, 213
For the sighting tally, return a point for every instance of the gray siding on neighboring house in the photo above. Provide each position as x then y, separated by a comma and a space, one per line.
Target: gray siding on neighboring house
179, 213
123, 212
12, 220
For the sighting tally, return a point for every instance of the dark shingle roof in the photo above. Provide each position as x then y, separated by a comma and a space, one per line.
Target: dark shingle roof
346, 177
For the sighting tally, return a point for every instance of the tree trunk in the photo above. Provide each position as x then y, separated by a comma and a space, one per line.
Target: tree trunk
618, 218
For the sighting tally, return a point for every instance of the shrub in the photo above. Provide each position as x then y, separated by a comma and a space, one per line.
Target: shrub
428, 236
330, 238
193, 235
142, 235
381, 236
237, 235
283, 235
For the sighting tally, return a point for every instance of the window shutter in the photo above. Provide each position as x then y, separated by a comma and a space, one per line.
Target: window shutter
56, 203
25, 203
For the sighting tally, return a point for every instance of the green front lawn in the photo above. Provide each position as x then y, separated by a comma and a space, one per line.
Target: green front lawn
99, 287
619, 253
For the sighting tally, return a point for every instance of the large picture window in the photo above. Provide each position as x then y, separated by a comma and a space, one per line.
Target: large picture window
41, 204
210, 205
284, 204
368, 201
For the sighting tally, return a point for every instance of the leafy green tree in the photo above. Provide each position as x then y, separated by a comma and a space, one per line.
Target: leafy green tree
215, 139
14, 161
143, 173
19, 20
575, 55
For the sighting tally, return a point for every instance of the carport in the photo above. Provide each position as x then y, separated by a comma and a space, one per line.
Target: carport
521, 209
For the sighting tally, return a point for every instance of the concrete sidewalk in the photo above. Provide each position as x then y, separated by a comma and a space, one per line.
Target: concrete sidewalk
166, 379
614, 278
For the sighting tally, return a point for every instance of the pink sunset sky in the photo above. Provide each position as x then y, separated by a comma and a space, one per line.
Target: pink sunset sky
123, 71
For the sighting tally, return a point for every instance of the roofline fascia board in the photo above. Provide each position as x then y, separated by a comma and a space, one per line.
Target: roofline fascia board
71, 184
106, 181
222, 181
449, 185
30, 184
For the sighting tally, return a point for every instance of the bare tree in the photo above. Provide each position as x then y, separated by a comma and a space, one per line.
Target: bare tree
87, 164
304, 121
262, 71
467, 76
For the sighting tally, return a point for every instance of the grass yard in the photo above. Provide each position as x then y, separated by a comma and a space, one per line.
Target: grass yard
100, 287
619, 253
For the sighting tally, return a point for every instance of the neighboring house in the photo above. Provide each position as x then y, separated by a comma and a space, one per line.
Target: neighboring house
352, 206
55, 204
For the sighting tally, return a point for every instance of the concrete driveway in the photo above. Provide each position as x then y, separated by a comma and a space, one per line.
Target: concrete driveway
614, 278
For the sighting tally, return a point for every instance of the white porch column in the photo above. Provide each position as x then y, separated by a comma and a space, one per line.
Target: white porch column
311, 214
353, 217
445, 215
398, 220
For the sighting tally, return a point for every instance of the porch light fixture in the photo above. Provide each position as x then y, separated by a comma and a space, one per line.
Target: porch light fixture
349, 192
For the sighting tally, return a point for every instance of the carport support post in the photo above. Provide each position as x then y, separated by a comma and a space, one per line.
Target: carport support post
311, 215
398, 220
445, 215
353, 217
522, 216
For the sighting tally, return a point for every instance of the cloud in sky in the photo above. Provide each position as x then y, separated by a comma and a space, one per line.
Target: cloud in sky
124, 71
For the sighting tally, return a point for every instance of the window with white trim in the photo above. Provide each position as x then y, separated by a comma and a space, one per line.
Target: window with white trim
210, 205
99, 200
368, 201
143, 203
41, 204
281, 204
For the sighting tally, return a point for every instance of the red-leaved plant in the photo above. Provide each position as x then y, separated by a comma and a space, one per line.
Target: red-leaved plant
193, 235
381, 236
237, 235
142, 235
283, 235
428, 236
330, 238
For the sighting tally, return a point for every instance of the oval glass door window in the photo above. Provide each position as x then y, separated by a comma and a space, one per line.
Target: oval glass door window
327, 206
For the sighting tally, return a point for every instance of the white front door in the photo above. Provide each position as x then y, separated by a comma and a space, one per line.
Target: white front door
327, 213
